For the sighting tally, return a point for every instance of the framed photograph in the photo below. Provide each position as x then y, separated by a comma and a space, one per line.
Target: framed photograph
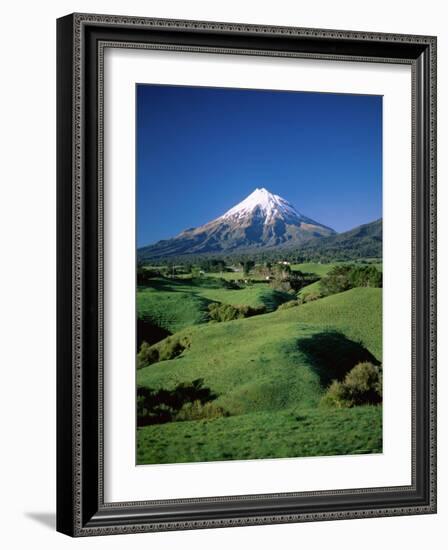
246, 274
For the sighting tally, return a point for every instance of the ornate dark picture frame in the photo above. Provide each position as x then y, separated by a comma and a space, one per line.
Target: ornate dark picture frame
81, 509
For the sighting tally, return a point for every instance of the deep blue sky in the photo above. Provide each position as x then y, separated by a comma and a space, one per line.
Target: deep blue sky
202, 150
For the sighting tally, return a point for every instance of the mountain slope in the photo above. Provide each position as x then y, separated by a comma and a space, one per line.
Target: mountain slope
362, 241
261, 220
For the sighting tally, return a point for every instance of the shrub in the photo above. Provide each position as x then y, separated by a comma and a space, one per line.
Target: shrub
150, 410
200, 411
226, 312
145, 274
149, 332
311, 297
147, 355
248, 265
286, 280
361, 386
335, 396
288, 305
364, 383
345, 277
281, 285
212, 265
169, 348
157, 406
250, 311
223, 312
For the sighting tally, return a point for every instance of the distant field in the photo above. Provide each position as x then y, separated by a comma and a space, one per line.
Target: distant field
318, 269
322, 269
236, 276
261, 368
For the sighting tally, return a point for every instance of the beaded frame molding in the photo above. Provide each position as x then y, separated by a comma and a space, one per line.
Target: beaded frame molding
81, 40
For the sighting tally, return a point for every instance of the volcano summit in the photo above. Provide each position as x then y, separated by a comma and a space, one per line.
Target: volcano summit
261, 220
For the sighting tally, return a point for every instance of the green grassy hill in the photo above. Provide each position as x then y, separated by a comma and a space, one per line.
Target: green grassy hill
323, 269
266, 367
276, 434
175, 304
171, 309
256, 295
313, 288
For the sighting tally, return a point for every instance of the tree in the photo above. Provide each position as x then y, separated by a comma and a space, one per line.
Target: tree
144, 275
212, 265
248, 265
337, 280
345, 277
225, 312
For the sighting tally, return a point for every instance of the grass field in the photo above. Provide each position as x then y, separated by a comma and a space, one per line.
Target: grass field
288, 433
313, 288
175, 304
170, 308
265, 370
319, 269
322, 269
256, 295
236, 276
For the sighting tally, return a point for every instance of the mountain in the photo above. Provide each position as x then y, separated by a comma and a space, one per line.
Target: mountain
261, 220
364, 241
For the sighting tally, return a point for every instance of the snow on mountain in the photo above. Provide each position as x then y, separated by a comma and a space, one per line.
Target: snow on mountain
261, 220
269, 205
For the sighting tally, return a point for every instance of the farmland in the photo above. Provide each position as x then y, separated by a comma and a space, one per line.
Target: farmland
264, 375
287, 433
178, 303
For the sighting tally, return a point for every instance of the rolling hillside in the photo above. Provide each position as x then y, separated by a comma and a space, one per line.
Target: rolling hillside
176, 304
365, 241
268, 371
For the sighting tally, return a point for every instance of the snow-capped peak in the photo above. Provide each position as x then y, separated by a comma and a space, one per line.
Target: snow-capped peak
267, 204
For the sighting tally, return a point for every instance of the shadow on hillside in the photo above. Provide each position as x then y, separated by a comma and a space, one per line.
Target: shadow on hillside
274, 299
166, 284
150, 333
160, 406
332, 355
173, 284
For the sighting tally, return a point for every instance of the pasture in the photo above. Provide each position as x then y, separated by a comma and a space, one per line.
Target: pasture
264, 370
175, 304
